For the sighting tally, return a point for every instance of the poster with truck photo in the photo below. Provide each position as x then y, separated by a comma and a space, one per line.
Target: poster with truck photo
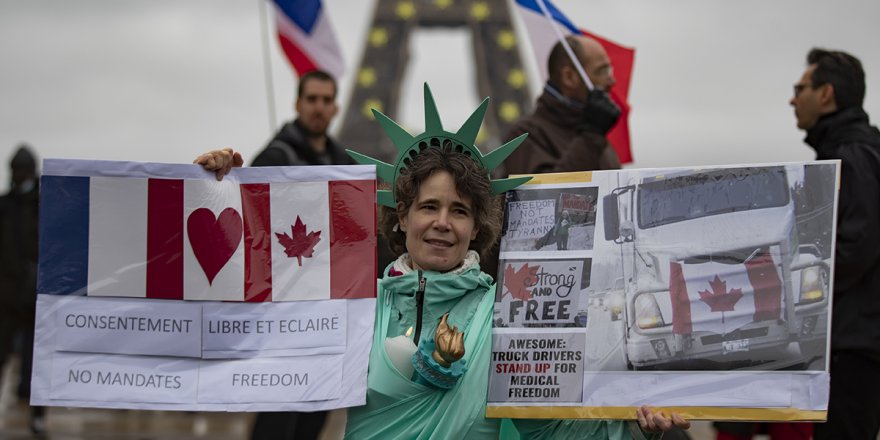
704, 290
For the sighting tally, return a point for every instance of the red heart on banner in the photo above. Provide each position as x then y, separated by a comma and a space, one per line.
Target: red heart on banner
213, 240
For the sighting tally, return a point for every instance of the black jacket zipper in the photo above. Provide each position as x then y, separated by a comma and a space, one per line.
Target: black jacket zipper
420, 305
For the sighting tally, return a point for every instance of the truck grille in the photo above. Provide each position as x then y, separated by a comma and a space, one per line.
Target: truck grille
734, 335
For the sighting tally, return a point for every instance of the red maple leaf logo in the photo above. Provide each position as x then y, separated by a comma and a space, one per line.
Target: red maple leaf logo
720, 300
518, 282
299, 244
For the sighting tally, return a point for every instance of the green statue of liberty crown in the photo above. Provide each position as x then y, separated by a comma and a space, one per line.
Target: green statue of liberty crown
408, 146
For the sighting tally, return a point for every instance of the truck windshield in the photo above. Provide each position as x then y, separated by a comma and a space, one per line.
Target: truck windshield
670, 200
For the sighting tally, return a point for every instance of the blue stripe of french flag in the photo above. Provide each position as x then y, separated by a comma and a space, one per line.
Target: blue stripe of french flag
151, 236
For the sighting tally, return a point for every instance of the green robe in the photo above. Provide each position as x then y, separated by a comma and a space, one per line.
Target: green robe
399, 408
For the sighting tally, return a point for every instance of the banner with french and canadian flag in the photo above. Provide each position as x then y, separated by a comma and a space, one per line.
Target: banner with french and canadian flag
198, 239
160, 287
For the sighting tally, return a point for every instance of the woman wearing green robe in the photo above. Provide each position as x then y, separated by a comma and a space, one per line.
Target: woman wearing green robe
440, 215
445, 216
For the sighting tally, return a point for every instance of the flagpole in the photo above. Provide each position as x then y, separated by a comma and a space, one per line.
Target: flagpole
571, 55
267, 65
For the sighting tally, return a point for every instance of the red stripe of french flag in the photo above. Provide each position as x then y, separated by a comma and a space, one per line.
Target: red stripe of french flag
300, 61
164, 239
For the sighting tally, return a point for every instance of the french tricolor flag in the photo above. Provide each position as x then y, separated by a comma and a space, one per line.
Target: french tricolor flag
126, 229
307, 38
543, 38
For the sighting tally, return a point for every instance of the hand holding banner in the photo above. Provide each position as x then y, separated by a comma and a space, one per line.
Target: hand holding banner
279, 260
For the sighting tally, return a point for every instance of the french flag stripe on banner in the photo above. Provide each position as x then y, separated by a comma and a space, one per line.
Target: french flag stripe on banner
164, 239
116, 253
64, 245
206, 240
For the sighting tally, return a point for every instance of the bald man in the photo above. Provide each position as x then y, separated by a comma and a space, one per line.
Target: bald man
567, 130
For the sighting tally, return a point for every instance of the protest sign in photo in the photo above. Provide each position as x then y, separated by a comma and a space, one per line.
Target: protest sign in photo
707, 290
161, 288
551, 219
541, 293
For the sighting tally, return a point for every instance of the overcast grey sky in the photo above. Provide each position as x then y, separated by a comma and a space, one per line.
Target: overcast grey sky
163, 80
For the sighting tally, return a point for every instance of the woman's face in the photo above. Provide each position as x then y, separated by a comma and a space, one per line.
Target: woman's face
439, 225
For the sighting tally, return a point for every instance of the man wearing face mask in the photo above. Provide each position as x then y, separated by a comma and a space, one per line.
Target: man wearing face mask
567, 130
18, 265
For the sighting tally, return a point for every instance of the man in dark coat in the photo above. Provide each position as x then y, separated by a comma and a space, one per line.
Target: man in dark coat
567, 130
302, 142
305, 141
828, 106
18, 265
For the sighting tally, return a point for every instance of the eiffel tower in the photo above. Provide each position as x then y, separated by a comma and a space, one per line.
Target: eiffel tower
378, 80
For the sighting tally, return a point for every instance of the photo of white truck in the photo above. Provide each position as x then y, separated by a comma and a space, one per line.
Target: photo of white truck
715, 269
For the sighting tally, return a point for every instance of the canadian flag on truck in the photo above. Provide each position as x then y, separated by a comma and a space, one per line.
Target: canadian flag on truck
721, 297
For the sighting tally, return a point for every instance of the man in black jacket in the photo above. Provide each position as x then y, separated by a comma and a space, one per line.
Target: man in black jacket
305, 141
828, 106
302, 142
19, 210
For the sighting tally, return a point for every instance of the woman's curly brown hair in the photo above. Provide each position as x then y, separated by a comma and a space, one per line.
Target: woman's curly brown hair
471, 181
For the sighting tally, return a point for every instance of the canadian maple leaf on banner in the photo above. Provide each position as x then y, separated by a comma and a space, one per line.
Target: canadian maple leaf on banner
720, 300
299, 244
518, 282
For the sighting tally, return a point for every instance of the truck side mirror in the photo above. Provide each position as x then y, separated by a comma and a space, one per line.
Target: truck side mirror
611, 222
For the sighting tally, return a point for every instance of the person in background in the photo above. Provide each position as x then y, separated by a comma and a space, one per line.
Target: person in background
567, 130
19, 224
562, 227
568, 127
303, 141
827, 105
